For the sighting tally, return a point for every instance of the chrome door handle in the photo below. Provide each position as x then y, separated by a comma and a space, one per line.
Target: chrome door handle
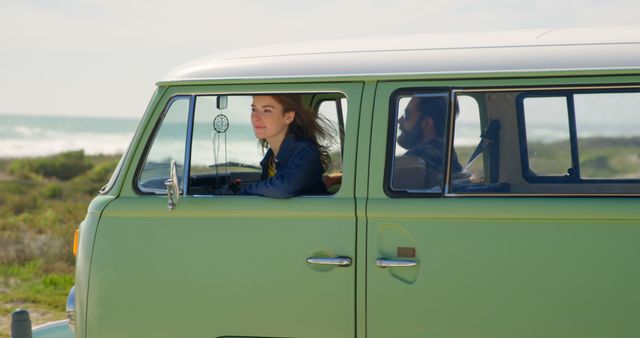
339, 261
384, 263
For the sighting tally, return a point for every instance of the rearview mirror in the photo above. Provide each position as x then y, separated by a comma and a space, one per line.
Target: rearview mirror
221, 102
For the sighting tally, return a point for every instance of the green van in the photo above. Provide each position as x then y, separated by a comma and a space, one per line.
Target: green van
528, 227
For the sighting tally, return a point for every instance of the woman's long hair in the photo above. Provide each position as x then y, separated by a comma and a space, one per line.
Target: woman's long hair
307, 125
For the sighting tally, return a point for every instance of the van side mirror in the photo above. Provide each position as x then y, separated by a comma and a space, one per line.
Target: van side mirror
221, 102
173, 191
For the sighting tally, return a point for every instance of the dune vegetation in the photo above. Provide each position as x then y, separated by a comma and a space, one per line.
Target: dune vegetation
42, 202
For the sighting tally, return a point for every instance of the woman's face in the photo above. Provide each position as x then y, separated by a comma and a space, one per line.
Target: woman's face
270, 122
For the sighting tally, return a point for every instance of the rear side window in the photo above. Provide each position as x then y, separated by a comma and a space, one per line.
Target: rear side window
550, 142
581, 136
547, 128
465, 141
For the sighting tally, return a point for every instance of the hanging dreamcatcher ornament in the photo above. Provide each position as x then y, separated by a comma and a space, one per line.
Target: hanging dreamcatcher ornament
220, 126
221, 123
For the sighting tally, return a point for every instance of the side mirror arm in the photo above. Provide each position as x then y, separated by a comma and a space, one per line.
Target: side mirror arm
173, 191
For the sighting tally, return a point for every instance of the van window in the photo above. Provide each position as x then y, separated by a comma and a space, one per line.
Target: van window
591, 135
168, 144
539, 142
335, 113
224, 147
547, 133
608, 133
418, 151
467, 141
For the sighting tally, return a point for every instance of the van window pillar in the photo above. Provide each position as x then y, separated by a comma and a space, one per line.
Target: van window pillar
574, 172
187, 153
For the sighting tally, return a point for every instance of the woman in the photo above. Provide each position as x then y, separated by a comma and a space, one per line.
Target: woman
295, 159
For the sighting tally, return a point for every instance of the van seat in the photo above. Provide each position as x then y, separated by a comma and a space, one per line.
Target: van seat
409, 172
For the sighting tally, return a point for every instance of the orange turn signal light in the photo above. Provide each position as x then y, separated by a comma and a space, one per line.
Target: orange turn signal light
75, 242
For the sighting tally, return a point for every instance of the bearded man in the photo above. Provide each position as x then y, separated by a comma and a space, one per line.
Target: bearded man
422, 128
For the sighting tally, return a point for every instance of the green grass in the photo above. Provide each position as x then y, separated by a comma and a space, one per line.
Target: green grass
30, 284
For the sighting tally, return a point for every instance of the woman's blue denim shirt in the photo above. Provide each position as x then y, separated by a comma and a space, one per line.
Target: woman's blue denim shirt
298, 171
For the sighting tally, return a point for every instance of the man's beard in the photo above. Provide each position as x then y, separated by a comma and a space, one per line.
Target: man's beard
409, 138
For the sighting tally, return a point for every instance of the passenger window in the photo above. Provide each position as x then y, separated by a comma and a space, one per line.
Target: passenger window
224, 148
419, 149
608, 133
168, 144
477, 140
334, 112
547, 135
582, 136
470, 144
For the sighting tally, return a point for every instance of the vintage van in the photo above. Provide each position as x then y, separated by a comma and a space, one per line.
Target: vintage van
528, 226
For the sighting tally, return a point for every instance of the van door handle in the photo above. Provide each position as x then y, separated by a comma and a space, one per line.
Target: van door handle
339, 261
385, 263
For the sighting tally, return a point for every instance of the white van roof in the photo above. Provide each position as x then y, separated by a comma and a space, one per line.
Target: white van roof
567, 49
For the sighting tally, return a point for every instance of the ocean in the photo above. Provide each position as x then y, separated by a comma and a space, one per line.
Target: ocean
32, 136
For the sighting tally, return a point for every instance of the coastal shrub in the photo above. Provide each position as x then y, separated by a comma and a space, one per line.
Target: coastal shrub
38, 215
15, 187
63, 166
20, 204
42, 202
4, 162
94, 179
52, 190
21, 246
101, 173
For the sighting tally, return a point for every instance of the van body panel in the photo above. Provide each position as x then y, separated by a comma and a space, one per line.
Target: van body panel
87, 235
221, 265
361, 192
498, 267
493, 267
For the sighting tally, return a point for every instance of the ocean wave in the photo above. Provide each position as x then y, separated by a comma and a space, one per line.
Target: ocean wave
48, 143
25, 131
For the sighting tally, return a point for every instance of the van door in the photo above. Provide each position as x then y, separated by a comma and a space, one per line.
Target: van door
536, 236
224, 265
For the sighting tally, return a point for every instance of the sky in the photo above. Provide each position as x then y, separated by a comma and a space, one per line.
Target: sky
103, 57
